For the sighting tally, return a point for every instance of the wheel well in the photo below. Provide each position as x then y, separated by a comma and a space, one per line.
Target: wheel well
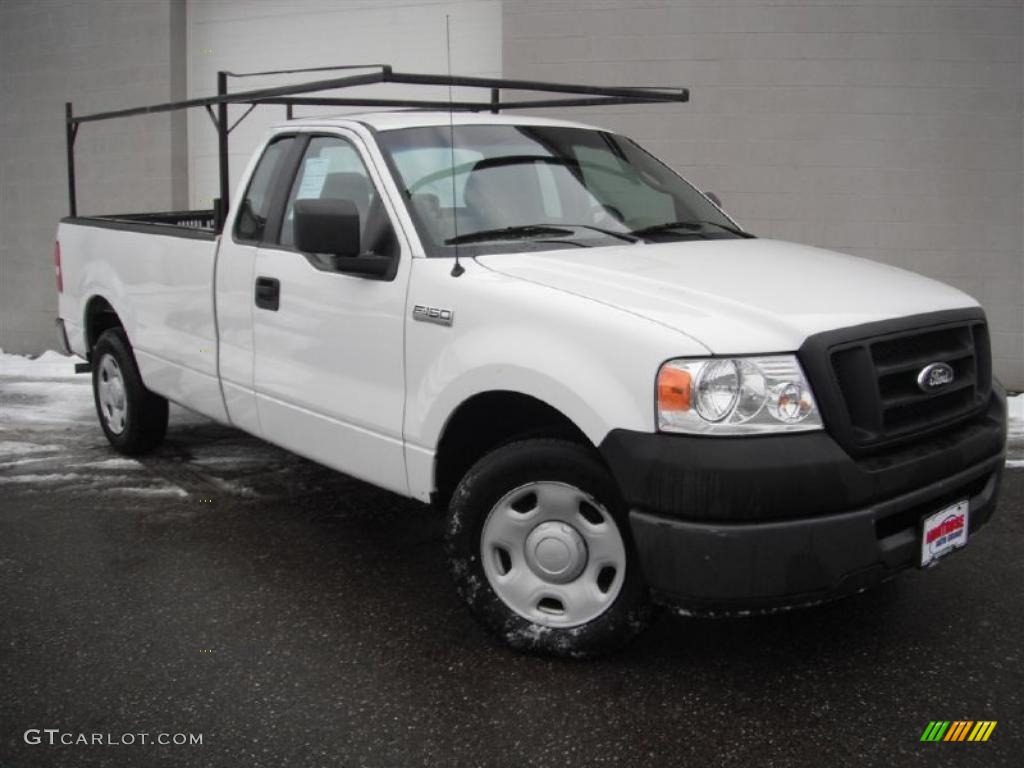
487, 421
99, 317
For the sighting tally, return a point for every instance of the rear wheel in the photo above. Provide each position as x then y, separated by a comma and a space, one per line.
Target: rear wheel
539, 547
133, 418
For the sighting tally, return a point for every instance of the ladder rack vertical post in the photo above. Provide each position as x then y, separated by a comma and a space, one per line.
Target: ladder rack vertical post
69, 136
222, 150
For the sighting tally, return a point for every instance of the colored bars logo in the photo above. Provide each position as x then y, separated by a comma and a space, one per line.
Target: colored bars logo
958, 730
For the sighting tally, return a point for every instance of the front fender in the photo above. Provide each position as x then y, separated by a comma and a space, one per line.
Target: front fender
590, 361
507, 359
593, 362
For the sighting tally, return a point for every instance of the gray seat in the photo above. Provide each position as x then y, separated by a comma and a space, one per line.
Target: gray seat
348, 186
506, 195
338, 186
374, 225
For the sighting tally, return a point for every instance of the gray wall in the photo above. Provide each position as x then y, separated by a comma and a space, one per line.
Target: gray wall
891, 130
99, 55
107, 54
408, 34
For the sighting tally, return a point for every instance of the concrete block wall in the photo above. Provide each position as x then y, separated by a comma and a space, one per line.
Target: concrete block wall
890, 129
100, 55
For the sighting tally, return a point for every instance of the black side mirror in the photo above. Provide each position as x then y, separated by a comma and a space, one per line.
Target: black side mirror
713, 198
332, 226
327, 226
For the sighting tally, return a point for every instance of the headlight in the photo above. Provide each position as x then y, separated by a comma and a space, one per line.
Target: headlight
735, 396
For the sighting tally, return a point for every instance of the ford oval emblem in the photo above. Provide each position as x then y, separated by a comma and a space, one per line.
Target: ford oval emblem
935, 376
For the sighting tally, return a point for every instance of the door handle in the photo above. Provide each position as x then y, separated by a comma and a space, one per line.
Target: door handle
268, 293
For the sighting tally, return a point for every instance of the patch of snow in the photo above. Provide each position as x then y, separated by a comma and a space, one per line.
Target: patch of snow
169, 490
1015, 464
233, 462
530, 633
47, 402
1015, 412
40, 478
111, 464
235, 488
49, 365
36, 460
18, 448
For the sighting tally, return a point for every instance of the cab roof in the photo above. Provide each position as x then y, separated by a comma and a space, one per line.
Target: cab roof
394, 120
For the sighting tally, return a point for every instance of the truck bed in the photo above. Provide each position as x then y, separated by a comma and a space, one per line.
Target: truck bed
156, 272
199, 224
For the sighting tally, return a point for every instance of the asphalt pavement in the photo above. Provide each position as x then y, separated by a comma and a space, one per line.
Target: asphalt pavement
291, 616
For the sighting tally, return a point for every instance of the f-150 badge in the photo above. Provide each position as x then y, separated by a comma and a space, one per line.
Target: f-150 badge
433, 315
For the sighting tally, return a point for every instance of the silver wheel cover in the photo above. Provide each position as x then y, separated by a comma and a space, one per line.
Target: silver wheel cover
553, 554
111, 395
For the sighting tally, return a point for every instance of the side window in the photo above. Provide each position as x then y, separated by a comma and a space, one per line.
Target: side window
254, 208
332, 169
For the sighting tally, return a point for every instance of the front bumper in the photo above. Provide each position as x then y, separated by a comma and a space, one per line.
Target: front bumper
736, 524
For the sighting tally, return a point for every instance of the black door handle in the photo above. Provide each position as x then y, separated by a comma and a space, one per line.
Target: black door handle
268, 293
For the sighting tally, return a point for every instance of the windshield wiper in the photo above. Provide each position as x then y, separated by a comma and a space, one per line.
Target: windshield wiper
629, 237
535, 230
509, 233
693, 224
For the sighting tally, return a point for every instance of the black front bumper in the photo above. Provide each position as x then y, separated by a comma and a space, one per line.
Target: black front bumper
735, 524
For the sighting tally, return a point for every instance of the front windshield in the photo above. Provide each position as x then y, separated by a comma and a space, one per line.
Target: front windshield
518, 187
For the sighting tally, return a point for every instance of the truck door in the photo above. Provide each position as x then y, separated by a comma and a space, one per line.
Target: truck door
329, 347
236, 259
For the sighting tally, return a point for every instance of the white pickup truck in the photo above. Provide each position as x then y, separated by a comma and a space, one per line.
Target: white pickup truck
619, 398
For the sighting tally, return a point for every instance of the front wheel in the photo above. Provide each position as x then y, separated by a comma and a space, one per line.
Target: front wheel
539, 547
133, 418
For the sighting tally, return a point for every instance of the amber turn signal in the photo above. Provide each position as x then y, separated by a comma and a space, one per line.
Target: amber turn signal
674, 388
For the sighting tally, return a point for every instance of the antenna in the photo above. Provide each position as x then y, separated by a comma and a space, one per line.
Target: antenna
457, 267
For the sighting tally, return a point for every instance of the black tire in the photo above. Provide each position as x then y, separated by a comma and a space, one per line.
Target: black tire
144, 414
502, 472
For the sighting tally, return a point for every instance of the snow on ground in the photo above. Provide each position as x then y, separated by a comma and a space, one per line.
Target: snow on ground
46, 390
16, 447
24, 462
171, 490
53, 477
49, 365
46, 401
1015, 406
1015, 437
46, 410
50, 439
129, 464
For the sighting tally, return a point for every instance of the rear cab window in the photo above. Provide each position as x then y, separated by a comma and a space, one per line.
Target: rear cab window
255, 208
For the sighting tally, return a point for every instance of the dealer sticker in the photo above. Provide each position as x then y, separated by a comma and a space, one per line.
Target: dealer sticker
943, 532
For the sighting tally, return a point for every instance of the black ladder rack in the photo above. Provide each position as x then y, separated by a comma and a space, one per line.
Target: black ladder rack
290, 96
